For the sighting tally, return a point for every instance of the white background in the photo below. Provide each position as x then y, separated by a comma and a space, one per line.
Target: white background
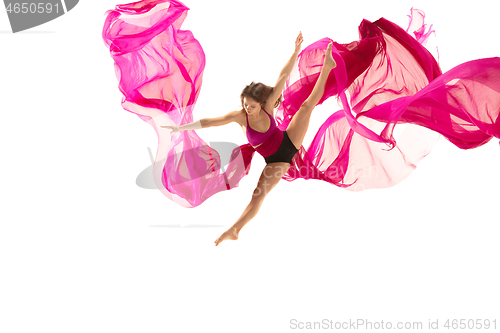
84, 249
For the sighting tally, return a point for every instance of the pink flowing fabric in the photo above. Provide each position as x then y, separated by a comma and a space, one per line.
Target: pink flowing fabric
383, 81
160, 68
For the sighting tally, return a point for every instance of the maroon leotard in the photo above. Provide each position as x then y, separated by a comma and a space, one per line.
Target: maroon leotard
266, 143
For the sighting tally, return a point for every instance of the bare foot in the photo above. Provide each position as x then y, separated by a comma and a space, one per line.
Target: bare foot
329, 63
231, 234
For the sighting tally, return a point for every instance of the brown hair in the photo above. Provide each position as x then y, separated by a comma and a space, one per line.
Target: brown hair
259, 92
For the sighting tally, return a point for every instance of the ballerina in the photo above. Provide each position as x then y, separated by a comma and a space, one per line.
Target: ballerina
276, 146
384, 79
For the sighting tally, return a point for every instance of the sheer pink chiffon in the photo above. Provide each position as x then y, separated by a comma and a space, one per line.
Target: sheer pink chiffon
160, 68
384, 81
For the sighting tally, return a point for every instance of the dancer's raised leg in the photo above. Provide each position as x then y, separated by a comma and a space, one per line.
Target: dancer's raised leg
270, 176
298, 125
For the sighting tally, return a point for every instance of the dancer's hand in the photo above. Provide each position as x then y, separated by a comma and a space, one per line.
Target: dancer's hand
174, 128
298, 42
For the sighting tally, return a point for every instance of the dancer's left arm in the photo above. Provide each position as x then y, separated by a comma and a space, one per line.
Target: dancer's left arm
285, 72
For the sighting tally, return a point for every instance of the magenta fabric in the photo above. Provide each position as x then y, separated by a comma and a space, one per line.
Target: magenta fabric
160, 68
384, 81
256, 138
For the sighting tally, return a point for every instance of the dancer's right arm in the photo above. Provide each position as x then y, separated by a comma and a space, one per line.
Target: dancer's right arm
206, 122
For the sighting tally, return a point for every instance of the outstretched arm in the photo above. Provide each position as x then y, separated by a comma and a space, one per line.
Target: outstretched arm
285, 72
205, 122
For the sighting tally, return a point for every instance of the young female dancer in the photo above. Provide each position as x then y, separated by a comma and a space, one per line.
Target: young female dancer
388, 75
257, 119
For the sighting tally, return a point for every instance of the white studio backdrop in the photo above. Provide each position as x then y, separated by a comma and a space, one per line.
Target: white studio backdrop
84, 249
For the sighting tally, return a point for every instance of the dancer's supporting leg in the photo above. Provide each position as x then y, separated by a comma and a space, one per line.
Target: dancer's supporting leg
270, 176
300, 122
274, 171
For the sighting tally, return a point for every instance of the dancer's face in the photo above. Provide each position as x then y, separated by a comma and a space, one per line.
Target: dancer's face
251, 106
